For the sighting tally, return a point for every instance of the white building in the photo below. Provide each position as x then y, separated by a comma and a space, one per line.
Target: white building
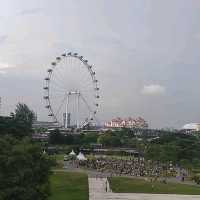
191, 127
127, 123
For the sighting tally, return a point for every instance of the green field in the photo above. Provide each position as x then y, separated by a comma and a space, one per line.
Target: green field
131, 185
59, 160
69, 186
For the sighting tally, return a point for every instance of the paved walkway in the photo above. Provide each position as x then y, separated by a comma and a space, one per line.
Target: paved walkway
99, 190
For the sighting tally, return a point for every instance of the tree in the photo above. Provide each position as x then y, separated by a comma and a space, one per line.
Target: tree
19, 124
55, 137
168, 152
90, 138
153, 152
8, 125
104, 139
108, 139
24, 170
24, 114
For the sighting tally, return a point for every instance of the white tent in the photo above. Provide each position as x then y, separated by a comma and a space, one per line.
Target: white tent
81, 156
72, 153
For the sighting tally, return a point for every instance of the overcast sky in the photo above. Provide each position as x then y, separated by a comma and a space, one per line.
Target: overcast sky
145, 53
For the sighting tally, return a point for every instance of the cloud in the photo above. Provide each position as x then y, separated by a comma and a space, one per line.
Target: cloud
153, 89
3, 38
30, 11
2, 72
6, 65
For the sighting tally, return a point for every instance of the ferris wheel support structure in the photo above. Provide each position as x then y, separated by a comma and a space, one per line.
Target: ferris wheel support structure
67, 113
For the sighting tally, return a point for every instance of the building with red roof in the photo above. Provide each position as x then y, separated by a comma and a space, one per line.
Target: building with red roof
127, 123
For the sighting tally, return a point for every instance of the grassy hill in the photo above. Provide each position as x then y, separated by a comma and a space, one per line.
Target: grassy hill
133, 185
69, 186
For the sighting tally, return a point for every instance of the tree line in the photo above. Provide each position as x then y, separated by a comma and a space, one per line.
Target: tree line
178, 148
24, 168
175, 147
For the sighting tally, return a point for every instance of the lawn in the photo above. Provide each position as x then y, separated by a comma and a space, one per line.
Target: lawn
69, 186
59, 160
59, 157
133, 185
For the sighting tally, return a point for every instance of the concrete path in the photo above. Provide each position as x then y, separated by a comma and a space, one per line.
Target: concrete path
99, 190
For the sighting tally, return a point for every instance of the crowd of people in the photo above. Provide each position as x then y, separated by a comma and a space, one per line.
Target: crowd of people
130, 166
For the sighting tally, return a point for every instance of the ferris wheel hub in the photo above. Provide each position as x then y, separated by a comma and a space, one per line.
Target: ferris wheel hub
73, 92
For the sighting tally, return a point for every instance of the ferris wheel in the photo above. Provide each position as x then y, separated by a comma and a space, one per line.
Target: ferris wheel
71, 91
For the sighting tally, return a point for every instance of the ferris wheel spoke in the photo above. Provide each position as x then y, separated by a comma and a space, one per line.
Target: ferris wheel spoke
84, 72
57, 78
86, 82
59, 72
87, 85
89, 108
56, 88
58, 92
62, 102
56, 96
86, 91
58, 85
86, 103
86, 78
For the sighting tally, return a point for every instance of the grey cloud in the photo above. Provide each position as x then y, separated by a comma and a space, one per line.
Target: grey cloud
138, 43
3, 38
153, 89
30, 11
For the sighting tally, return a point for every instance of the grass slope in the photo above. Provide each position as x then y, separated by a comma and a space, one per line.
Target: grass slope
69, 186
131, 185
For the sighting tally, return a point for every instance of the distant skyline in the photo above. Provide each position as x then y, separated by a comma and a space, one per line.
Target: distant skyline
145, 53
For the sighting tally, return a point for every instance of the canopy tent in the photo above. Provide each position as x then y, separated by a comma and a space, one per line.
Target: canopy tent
72, 153
81, 156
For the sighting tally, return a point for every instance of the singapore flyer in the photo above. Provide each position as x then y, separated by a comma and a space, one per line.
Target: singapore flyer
71, 91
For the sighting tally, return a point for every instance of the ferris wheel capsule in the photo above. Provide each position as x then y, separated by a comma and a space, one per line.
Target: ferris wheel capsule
46, 97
